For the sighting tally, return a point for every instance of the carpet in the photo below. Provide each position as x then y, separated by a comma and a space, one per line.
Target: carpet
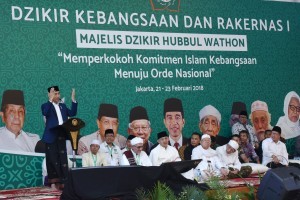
31, 194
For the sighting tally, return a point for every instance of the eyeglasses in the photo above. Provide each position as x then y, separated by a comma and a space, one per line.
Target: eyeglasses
294, 108
143, 128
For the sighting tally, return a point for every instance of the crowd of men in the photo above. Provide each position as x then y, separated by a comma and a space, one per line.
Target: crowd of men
260, 143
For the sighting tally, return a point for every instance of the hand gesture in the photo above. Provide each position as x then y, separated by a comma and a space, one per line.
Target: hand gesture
275, 159
73, 95
51, 94
82, 148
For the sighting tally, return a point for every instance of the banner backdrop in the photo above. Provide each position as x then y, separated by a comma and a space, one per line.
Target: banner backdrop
132, 53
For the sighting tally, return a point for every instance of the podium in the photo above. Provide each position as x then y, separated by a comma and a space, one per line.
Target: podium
71, 128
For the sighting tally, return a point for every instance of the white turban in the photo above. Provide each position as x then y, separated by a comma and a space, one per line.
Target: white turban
136, 140
205, 136
259, 105
210, 110
96, 142
289, 128
233, 144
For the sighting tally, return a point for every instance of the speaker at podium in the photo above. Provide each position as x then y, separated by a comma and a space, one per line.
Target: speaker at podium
280, 184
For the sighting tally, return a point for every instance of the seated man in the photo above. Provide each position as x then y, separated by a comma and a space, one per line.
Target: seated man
274, 151
163, 152
112, 152
136, 156
259, 151
108, 118
140, 126
243, 124
247, 153
188, 149
204, 149
297, 147
94, 158
210, 164
228, 156
12, 136
128, 143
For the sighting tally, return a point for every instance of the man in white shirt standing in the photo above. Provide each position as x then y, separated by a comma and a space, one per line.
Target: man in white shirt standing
94, 158
274, 151
163, 152
136, 156
12, 137
112, 152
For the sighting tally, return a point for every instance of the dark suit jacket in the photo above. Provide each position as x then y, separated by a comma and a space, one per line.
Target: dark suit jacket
49, 112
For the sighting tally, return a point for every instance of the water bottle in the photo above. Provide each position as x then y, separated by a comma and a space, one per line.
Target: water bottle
198, 176
209, 167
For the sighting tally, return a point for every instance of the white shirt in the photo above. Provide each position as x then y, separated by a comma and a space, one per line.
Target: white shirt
142, 159
58, 113
289, 129
172, 142
113, 154
23, 142
207, 155
91, 160
120, 140
198, 153
228, 160
278, 149
160, 155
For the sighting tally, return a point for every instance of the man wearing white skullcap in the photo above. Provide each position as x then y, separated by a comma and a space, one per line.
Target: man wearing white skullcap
260, 118
136, 156
203, 150
210, 119
229, 157
208, 156
94, 158
210, 123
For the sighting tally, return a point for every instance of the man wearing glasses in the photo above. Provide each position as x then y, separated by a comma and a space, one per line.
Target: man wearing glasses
289, 123
136, 156
107, 119
139, 126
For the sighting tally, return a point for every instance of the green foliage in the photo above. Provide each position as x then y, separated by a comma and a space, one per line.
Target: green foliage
218, 190
191, 193
160, 191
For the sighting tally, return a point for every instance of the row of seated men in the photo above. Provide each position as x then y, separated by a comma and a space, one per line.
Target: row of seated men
224, 161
